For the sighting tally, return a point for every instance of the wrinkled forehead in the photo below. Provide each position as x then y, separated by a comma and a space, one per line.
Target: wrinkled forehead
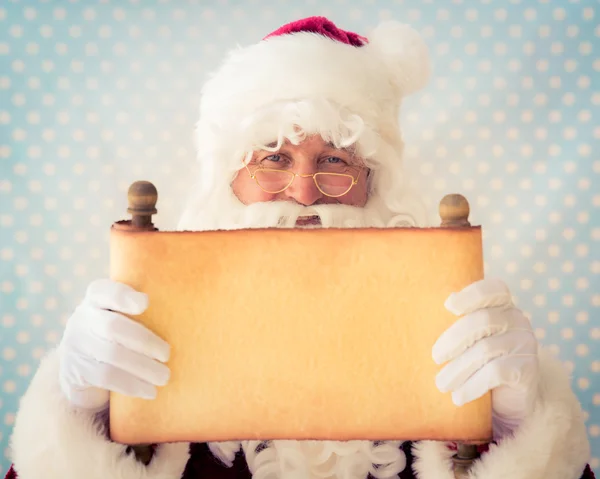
312, 142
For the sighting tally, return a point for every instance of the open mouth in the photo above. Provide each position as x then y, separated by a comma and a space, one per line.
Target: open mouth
313, 220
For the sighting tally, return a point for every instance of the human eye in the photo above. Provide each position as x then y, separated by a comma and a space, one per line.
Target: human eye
276, 160
271, 159
334, 160
333, 163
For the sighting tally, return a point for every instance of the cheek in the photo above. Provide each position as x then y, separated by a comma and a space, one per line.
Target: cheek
357, 196
247, 191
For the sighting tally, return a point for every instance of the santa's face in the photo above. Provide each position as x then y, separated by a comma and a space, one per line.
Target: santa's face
309, 174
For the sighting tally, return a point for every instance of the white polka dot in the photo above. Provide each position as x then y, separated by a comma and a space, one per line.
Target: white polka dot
568, 300
21, 237
526, 116
16, 31
540, 333
52, 337
9, 387
595, 366
583, 184
568, 99
511, 267
582, 317
30, 13
542, 65
568, 267
89, 14
19, 134
582, 350
559, 13
50, 203
50, 269
486, 31
105, 31
595, 333
554, 283
484, 66
568, 234
567, 333
584, 384
65, 220
9, 354
8, 320
554, 183
119, 14
24, 370
526, 284
35, 186
37, 353
23, 337
570, 66
513, 66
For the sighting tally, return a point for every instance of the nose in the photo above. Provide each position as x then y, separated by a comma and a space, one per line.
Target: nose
304, 191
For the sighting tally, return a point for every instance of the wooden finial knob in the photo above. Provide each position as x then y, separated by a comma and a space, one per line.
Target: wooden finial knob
142, 197
454, 211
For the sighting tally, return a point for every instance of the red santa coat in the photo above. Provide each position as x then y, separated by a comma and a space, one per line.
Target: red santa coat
52, 440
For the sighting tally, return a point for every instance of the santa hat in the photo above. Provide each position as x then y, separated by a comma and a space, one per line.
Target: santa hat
309, 62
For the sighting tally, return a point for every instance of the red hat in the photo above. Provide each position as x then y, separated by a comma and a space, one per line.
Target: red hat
322, 26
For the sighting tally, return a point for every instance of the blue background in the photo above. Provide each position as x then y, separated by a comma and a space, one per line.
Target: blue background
98, 94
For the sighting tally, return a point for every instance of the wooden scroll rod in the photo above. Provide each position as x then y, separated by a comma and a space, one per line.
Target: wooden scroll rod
454, 212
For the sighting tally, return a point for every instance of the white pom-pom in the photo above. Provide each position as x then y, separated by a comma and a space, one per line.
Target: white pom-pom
404, 52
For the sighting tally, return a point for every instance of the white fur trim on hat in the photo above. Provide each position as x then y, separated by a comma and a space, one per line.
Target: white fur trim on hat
405, 54
368, 81
550, 444
52, 440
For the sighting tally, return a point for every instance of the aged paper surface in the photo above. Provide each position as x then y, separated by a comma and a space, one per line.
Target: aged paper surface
298, 334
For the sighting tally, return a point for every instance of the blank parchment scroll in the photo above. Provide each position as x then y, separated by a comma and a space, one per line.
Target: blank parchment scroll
298, 334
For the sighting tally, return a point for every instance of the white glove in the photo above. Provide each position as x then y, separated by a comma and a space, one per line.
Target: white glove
492, 348
102, 350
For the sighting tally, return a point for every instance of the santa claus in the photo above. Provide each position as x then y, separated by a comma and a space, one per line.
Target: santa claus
302, 130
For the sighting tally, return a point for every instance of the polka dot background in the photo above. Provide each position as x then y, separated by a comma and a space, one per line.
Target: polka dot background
97, 94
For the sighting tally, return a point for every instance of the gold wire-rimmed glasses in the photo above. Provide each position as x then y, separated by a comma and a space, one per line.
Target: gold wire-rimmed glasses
275, 181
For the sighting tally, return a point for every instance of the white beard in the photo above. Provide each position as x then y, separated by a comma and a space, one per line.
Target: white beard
315, 459
302, 459
230, 214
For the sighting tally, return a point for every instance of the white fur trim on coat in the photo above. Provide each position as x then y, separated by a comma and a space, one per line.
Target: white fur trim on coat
52, 440
550, 444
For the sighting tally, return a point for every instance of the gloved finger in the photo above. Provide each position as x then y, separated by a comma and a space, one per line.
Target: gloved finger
475, 326
111, 378
456, 372
503, 371
115, 327
138, 365
115, 296
486, 293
